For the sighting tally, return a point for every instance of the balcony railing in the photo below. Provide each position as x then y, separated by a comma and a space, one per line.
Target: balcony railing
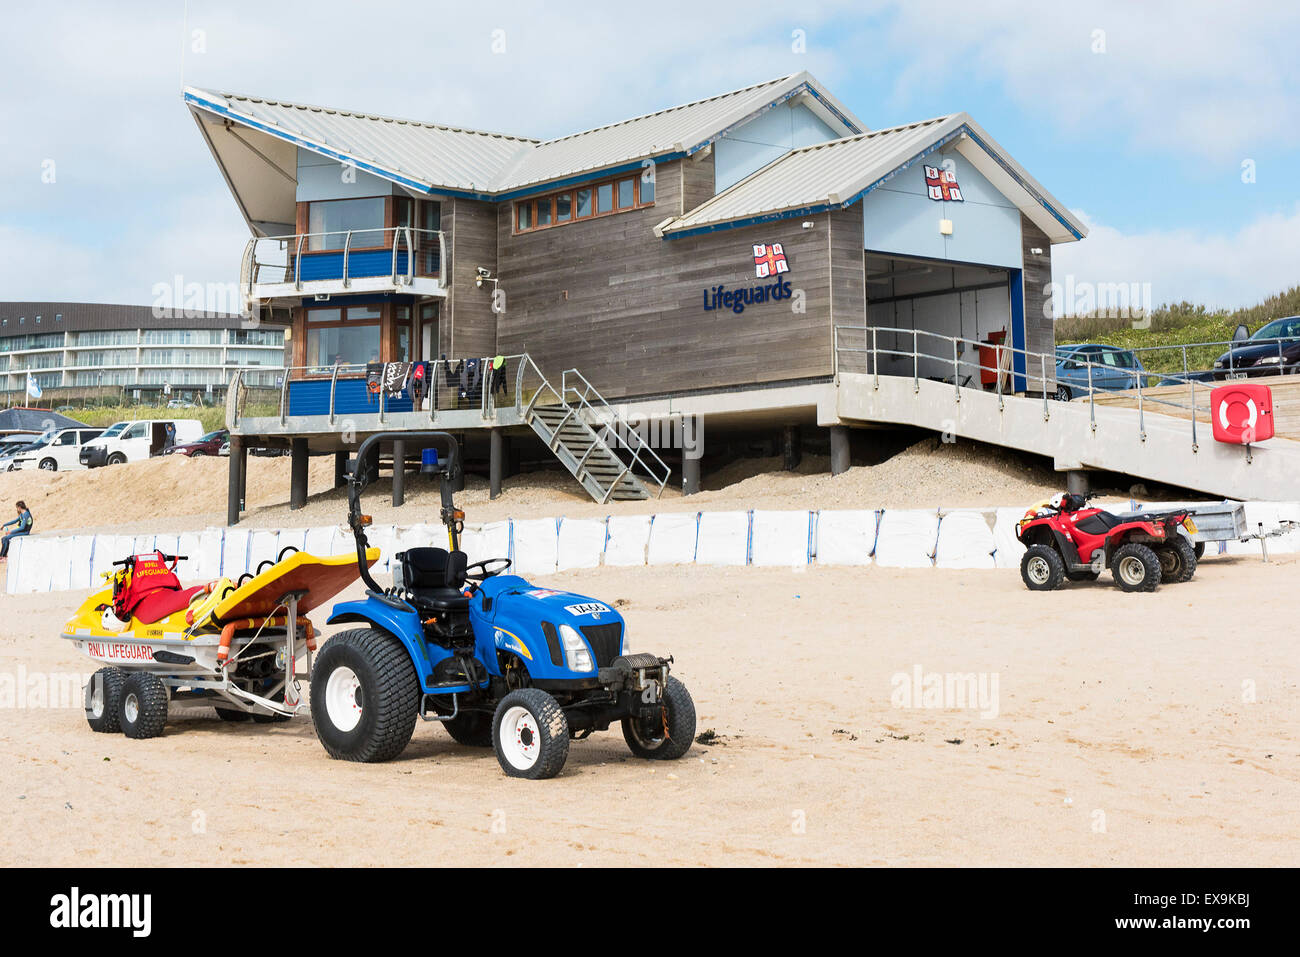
337, 261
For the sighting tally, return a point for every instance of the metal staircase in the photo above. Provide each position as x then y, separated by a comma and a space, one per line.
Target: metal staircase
579, 427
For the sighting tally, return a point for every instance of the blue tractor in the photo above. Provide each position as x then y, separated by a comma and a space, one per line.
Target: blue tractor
496, 660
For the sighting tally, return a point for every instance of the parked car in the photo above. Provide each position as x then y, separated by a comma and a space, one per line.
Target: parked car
1113, 369
136, 440
181, 404
209, 444
59, 451
225, 448
1274, 349
12, 445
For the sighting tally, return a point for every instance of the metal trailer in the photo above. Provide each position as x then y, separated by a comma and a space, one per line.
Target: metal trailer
256, 676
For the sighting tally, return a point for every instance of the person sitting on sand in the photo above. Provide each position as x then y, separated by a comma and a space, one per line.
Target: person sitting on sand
24, 523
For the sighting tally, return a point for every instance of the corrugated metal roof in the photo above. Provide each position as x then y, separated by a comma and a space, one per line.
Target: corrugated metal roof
678, 129
443, 157
421, 153
837, 173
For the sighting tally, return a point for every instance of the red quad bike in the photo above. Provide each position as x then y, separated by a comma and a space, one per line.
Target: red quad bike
1066, 539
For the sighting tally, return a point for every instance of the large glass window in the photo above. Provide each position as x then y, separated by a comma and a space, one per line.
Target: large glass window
626, 198
342, 336
335, 218
604, 197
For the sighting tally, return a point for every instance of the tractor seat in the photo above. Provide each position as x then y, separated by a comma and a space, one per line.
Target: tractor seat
435, 577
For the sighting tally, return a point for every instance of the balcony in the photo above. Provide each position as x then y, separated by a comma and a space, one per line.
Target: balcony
401, 259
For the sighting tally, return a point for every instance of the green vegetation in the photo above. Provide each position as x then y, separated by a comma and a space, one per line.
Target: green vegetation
1176, 325
212, 417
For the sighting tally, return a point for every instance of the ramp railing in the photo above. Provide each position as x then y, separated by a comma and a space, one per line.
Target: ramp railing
916, 353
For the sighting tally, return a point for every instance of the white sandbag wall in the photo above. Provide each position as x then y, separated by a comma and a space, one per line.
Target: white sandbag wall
892, 538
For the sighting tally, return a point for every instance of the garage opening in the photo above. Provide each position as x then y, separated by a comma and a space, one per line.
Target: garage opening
959, 300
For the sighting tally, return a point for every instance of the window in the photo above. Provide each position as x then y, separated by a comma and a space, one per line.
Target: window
572, 205
647, 186
135, 432
334, 218
344, 336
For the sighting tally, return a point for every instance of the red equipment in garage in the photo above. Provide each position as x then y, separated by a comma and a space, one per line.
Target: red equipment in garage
1242, 413
990, 356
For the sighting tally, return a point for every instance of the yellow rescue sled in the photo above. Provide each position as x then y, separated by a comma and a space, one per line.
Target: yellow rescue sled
231, 645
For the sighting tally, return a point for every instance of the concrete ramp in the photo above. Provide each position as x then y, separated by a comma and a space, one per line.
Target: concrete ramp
1143, 443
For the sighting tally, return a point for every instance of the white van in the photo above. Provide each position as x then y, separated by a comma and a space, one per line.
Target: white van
135, 441
57, 450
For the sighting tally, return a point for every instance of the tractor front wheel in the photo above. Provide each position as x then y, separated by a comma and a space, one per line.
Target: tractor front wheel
471, 728
1042, 568
1136, 568
668, 735
364, 696
530, 734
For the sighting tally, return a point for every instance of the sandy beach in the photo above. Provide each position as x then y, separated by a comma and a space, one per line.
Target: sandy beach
1152, 729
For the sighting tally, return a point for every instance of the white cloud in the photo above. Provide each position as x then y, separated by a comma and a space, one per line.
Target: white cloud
1202, 78
1228, 270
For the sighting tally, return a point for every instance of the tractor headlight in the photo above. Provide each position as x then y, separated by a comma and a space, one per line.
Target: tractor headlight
575, 650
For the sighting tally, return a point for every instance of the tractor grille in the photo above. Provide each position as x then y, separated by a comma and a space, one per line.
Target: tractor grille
604, 641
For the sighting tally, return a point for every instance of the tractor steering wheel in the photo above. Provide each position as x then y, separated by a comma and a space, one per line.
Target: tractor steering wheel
484, 571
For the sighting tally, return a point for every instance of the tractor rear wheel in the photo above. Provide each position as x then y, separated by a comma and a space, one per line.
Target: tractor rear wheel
1177, 561
364, 696
530, 734
1136, 568
103, 699
1042, 568
669, 735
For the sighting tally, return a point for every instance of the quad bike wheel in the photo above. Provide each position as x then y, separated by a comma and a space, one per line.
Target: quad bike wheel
1042, 568
103, 698
1199, 550
530, 734
669, 735
1136, 568
471, 728
1177, 561
364, 696
142, 709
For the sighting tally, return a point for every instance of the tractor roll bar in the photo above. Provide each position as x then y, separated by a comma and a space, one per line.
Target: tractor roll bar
359, 477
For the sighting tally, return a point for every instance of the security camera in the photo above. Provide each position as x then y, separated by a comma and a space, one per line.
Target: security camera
484, 273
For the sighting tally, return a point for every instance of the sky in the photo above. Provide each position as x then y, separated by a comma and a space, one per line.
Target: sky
1171, 129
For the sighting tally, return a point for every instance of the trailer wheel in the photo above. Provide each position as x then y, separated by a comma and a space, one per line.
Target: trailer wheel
364, 696
530, 734
1136, 568
471, 728
1042, 568
1177, 561
103, 698
669, 734
142, 711
232, 715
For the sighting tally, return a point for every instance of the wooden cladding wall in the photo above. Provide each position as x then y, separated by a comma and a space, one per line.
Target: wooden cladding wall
626, 308
1040, 334
468, 325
